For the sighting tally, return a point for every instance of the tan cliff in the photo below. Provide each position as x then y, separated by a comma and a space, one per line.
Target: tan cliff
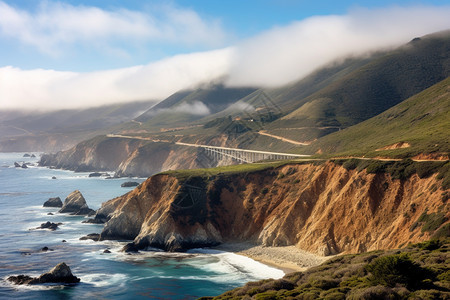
127, 157
325, 209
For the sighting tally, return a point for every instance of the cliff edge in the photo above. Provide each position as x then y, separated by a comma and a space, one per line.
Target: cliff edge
323, 208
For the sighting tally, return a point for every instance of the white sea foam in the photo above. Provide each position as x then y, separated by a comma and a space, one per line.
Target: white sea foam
33, 287
231, 263
103, 279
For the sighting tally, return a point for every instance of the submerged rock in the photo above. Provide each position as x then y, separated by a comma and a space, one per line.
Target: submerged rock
129, 184
53, 202
26, 155
95, 174
75, 204
130, 248
94, 221
61, 273
91, 236
45, 249
49, 225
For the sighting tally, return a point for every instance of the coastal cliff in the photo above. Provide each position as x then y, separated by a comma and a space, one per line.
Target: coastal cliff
325, 208
127, 157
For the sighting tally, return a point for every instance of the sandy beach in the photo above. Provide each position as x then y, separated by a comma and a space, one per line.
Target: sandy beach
287, 258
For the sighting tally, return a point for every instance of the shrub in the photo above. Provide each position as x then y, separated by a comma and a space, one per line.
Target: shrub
334, 296
264, 191
426, 294
268, 295
373, 293
444, 276
433, 221
325, 283
277, 285
427, 168
442, 232
430, 245
351, 164
376, 167
397, 269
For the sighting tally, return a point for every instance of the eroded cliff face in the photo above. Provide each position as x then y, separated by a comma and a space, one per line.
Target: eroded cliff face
127, 157
324, 209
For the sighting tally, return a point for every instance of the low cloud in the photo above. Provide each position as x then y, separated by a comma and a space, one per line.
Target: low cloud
276, 57
48, 89
197, 108
240, 106
288, 53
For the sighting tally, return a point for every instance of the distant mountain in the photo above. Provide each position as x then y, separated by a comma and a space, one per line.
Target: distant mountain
54, 130
418, 125
346, 92
191, 105
378, 85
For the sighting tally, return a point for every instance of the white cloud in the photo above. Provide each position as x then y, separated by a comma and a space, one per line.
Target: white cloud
48, 89
284, 54
197, 108
276, 57
55, 25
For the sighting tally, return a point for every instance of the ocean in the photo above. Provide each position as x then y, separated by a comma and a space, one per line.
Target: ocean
147, 275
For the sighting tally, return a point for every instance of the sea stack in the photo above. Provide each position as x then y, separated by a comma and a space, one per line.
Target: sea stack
53, 202
61, 273
75, 204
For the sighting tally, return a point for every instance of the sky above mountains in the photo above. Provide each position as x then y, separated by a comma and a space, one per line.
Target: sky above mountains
70, 54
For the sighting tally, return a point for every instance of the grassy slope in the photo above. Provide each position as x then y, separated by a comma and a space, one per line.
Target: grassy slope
377, 86
422, 121
420, 271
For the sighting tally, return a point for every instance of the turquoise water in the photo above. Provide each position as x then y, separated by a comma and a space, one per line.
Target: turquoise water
155, 275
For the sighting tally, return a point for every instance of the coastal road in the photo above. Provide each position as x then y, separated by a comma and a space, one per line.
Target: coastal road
263, 132
215, 148
254, 151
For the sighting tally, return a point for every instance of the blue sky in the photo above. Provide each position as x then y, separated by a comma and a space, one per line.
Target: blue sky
236, 19
94, 52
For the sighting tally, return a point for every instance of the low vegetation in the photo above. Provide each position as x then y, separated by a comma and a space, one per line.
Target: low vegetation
421, 122
420, 271
401, 169
228, 170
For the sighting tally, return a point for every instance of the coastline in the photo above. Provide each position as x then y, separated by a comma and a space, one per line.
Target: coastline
286, 258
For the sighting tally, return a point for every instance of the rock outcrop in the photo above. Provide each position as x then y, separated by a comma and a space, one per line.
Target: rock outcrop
91, 236
53, 202
49, 225
61, 273
325, 209
75, 204
129, 184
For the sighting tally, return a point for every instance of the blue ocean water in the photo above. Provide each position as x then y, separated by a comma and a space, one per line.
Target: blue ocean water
155, 275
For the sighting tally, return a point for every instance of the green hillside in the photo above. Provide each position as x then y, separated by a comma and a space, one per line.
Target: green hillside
380, 84
422, 121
